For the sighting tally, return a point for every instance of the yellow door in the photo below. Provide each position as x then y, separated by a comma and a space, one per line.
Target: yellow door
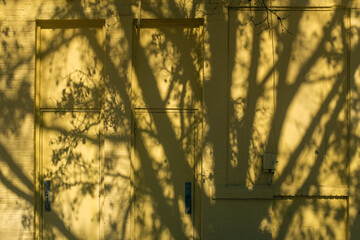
166, 98
69, 96
70, 158
164, 174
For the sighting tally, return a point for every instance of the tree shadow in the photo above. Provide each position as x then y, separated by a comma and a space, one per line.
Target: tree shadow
93, 111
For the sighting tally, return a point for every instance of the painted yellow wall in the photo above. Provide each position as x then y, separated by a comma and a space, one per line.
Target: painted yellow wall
287, 87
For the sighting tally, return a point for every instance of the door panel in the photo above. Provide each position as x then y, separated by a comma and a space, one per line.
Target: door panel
163, 169
312, 117
72, 67
70, 157
168, 65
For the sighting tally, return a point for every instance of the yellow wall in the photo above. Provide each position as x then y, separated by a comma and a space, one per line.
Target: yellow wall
285, 86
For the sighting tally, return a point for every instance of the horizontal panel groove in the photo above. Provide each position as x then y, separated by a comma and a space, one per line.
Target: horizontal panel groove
290, 8
272, 192
312, 190
70, 109
154, 110
283, 197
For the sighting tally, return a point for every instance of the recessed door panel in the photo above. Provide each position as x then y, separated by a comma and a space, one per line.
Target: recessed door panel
167, 65
70, 158
164, 175
72, 67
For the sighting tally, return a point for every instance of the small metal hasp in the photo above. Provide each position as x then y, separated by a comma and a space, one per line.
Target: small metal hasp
269, 162
187, 197
47, 201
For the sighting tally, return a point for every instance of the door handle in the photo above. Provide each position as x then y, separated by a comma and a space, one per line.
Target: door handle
47, 201
187, 197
